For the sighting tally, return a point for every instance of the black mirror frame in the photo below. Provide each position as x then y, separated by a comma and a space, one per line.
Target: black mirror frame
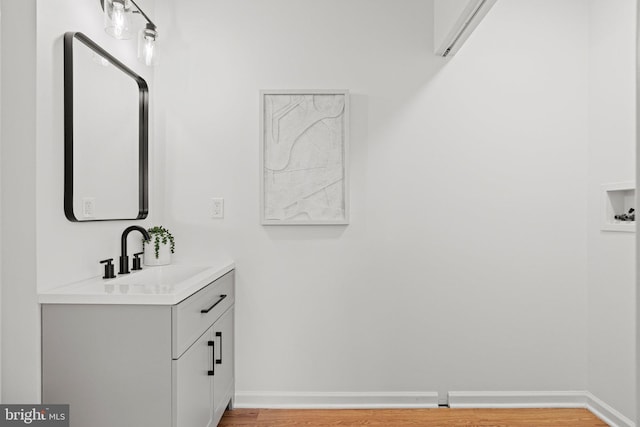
143, 116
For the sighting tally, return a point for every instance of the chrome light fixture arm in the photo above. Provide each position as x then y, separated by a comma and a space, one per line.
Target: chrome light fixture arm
141, 12
117, 25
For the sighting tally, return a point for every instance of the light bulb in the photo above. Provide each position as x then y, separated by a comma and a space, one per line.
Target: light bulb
148, 51
116, 19
147, 45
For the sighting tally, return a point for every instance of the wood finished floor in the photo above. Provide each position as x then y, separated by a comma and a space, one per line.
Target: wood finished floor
442, 417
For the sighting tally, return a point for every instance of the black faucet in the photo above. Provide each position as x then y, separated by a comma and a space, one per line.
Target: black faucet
124, 259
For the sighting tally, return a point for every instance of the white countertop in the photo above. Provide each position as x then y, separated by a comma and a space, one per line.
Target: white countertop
161, 285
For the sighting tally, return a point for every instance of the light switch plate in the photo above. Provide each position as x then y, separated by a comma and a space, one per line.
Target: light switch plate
217, 207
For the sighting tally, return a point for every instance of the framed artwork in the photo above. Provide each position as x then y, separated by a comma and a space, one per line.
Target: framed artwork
304, 141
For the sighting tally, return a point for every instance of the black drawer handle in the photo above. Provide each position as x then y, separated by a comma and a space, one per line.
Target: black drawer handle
219, 361
214, 304
213, 357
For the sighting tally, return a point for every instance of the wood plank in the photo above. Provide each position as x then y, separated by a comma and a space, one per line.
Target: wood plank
441, 417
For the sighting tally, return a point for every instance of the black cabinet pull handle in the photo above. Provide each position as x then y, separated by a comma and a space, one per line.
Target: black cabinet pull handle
213, 357
219, 361
214, 304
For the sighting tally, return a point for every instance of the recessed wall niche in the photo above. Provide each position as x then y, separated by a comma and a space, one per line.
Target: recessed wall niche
617, 199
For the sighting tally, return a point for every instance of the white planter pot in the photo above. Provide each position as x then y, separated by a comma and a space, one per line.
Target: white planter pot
164, 254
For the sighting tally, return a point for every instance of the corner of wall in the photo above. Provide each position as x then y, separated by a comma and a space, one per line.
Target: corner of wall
20, 314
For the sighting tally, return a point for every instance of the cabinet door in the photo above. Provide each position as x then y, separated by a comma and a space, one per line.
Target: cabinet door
223, 381
193, 388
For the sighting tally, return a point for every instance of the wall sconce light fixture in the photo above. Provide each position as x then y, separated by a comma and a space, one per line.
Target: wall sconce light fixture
117, 24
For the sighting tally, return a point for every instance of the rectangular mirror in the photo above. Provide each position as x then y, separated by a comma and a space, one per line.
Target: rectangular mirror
106, 120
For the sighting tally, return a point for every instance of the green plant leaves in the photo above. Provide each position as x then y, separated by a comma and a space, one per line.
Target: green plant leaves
160, 234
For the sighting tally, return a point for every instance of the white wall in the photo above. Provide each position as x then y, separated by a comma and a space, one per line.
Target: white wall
70, 251
20, 315
464, 266
612, 127
0, 202
41, 249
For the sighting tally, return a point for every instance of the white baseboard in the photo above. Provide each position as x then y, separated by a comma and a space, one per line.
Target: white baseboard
335, 400
540, 399
517, 399
606, 413
457, 399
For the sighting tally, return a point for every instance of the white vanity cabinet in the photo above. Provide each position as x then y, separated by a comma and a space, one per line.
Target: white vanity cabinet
142, 364
201, 400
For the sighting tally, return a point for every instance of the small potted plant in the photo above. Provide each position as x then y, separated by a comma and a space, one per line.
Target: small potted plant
158, 250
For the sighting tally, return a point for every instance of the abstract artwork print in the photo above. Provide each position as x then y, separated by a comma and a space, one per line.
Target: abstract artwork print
304, 141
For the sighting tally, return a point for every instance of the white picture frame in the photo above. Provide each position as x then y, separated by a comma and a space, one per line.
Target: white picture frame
304, 146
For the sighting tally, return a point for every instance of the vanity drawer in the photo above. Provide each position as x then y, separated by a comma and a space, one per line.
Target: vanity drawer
188, 321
